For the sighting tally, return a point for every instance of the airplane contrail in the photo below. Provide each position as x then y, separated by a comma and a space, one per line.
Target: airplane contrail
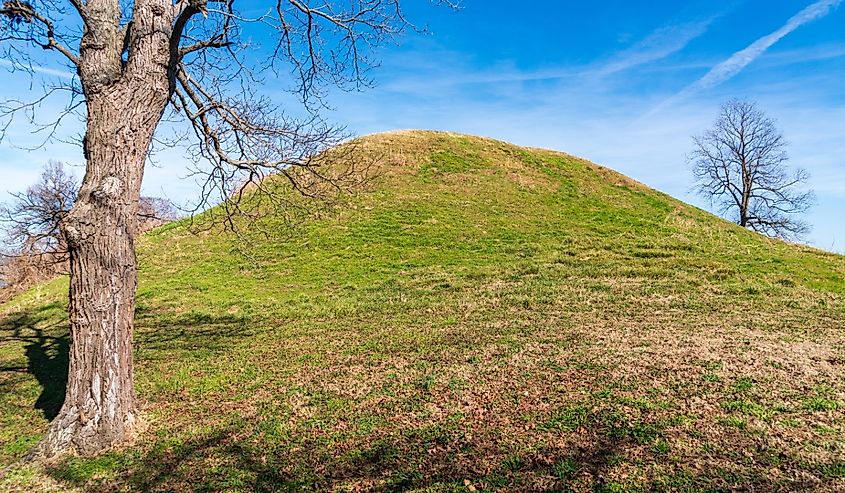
741, 59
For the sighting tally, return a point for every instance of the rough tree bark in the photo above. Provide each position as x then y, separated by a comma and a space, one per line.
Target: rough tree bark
134, 60
124, 107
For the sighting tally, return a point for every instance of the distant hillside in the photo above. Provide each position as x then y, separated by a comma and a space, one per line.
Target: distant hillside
482, 317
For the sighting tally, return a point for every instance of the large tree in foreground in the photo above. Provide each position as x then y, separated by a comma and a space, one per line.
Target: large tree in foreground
741, 166
137, 63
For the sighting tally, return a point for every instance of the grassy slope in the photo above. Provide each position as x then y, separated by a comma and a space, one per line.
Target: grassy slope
487, 315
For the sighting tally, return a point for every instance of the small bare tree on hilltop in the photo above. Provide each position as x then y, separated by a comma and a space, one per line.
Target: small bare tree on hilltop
138, 63
740, 165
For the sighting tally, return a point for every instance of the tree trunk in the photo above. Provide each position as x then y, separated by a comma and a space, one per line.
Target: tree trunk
746, 185
125, 102
99, 409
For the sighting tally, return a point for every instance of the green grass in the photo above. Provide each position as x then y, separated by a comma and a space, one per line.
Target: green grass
482, 315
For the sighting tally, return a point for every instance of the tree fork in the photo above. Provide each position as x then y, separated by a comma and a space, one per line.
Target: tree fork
128, 70
100, 409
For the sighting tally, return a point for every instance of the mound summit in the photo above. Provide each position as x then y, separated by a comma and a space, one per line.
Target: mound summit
482, 317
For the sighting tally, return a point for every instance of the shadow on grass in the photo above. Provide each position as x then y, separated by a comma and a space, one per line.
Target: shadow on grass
219, 461
166, 332
233, 459
44, 335
46, 344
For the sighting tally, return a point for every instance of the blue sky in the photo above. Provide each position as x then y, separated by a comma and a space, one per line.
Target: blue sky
625, 84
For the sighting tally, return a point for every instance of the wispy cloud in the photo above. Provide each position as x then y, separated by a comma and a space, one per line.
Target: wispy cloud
662, 42
741, 59
38, 69
659, 44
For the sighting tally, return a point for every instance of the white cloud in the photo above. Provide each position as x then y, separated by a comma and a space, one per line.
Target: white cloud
440, 64
741, 59
659, 44
38, 69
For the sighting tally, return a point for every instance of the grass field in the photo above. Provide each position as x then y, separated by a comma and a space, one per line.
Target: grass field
483, 318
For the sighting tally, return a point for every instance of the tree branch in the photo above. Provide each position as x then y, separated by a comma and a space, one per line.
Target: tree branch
19, 12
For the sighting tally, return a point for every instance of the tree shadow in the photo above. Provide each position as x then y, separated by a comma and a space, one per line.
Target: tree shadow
232, 458
221, 460
46, 345
170, 332
44, 335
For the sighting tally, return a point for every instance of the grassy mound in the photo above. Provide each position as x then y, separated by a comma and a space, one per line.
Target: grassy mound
485, 317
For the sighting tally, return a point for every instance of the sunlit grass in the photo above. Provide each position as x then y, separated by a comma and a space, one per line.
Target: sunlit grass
483, 315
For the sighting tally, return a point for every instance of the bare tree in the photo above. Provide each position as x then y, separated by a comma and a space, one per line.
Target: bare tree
154, 212
138, 63
740, 165
33, 245
31, 223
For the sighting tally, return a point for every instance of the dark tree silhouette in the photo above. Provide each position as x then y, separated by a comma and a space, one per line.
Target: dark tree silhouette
740, 165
